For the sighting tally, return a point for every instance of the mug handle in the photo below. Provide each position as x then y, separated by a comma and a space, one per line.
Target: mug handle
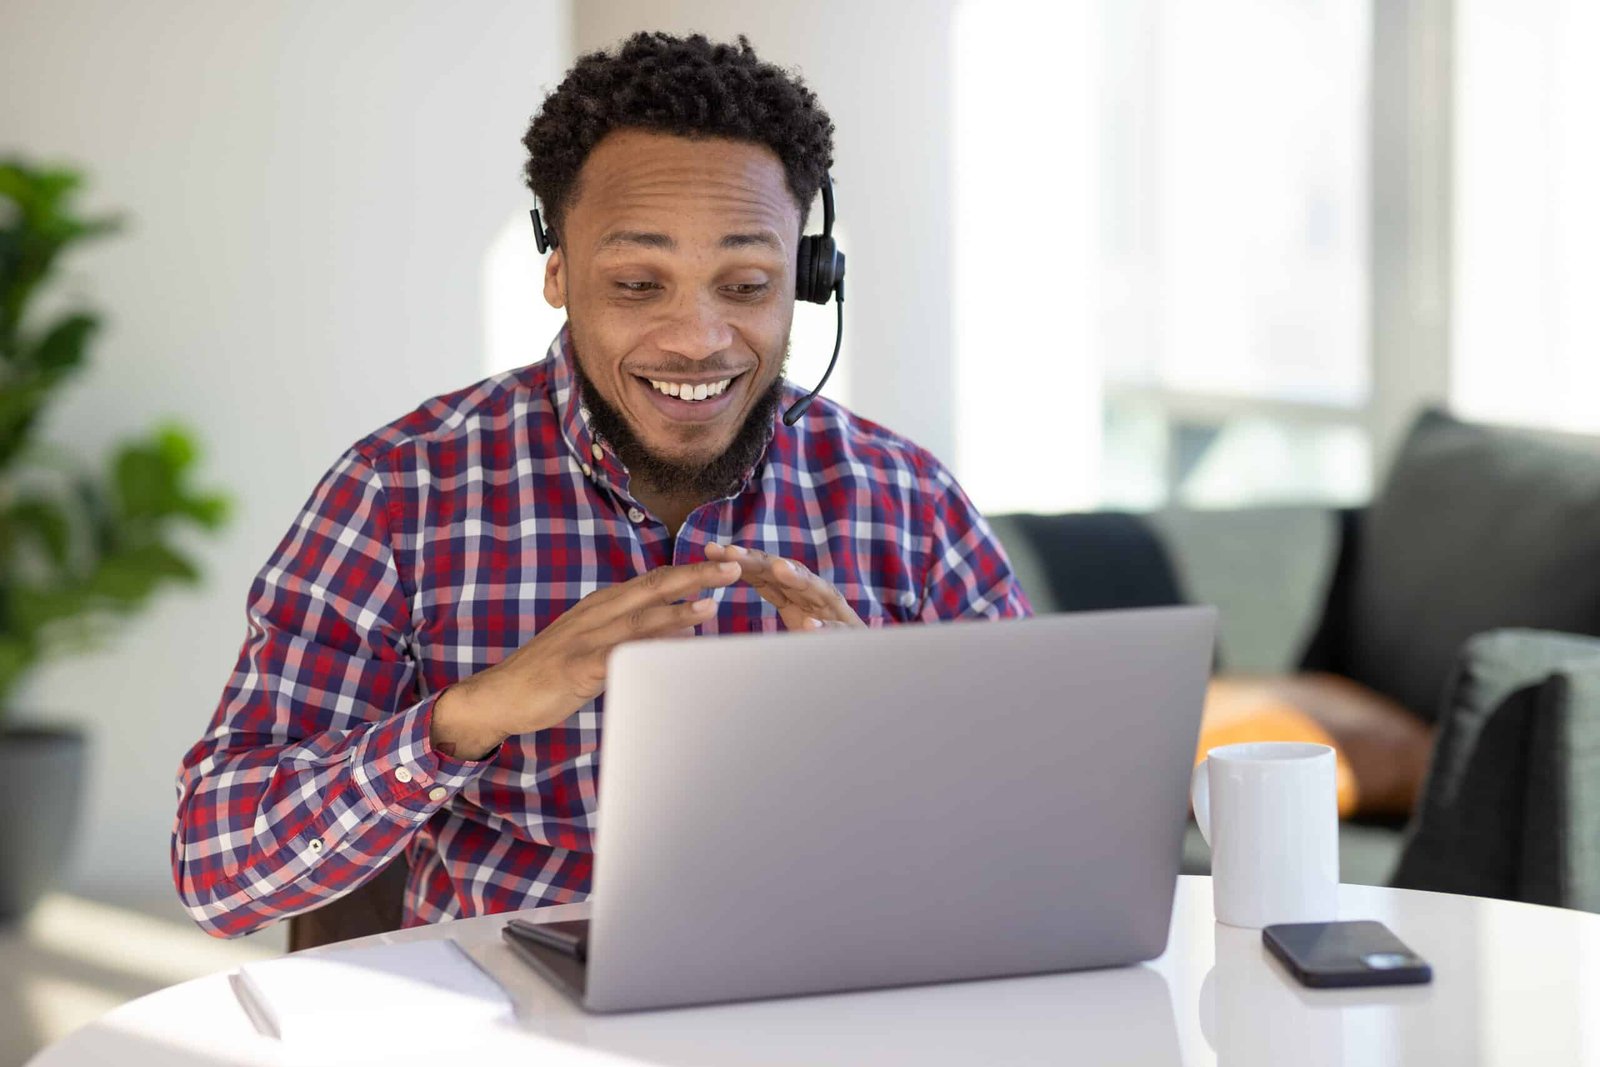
1200, 797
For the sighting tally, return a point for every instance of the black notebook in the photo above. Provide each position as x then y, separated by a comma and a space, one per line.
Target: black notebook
558, 951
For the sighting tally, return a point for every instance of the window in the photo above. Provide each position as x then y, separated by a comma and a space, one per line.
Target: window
1526, 309
1161, 232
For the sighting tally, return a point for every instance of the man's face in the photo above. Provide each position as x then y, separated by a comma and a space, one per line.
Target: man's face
676, 267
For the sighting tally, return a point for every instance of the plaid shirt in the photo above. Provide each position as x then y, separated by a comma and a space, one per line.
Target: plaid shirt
440, 544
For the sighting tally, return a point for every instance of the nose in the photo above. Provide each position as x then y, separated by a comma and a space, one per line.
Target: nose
696, 329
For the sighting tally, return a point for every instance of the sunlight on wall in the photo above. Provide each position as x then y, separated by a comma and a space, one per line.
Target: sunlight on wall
150, 949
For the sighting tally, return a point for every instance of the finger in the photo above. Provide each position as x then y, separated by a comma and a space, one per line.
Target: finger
796, 619
811, 591
756, 565
786, 583
650, 620
819, 597
667, 585
755, 569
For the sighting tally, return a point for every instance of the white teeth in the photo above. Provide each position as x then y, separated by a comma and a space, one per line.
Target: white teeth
685, 391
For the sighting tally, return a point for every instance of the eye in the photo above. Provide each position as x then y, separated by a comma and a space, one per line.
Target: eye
748, 289
637, 287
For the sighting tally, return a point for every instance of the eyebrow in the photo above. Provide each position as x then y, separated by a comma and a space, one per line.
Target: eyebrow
644, 239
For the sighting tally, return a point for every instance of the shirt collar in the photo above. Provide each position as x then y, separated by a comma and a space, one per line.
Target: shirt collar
593, 455
596, 455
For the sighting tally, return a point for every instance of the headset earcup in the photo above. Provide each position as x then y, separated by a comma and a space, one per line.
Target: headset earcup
822, 269
819, 265
803, 288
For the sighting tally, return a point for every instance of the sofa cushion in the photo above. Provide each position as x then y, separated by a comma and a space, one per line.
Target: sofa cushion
1242, 709
1267, 569
1477, 528
1089, 561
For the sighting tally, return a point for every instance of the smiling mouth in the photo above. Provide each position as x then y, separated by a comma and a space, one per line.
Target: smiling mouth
696, 392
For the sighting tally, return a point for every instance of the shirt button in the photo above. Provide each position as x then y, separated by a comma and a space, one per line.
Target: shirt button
597, 451
635, 515
315, 845
402, 775
438, 793
588, 471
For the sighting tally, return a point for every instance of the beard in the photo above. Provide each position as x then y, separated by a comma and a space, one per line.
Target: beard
718, 477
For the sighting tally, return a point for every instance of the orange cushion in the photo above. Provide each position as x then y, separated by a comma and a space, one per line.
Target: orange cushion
1239, 711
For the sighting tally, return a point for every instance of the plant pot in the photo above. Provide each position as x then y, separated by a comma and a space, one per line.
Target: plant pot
41, 795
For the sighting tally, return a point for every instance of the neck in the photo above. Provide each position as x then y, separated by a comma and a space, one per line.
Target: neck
672, 509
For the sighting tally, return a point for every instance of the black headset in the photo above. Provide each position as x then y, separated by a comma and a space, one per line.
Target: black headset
818, 276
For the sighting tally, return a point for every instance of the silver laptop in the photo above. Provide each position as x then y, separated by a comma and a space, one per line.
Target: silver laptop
784, 813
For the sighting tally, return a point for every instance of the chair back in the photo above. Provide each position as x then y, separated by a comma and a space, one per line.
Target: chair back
376, 907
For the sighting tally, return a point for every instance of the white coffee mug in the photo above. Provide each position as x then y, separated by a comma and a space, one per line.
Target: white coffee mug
1269, 810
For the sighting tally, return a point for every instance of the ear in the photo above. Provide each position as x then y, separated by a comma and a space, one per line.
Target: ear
555, 278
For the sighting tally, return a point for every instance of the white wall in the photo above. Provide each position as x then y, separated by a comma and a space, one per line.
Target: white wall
313, 189
882, 71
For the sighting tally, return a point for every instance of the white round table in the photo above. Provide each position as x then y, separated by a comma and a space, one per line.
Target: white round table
1513, 983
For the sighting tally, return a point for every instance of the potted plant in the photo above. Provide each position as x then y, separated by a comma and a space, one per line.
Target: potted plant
79, 550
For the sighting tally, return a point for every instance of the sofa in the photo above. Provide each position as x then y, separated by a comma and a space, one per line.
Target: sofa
1466, 593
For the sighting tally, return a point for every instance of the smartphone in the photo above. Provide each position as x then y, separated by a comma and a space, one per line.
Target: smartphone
1333, 955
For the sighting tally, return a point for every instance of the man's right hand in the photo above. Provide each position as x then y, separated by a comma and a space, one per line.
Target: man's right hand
563, 667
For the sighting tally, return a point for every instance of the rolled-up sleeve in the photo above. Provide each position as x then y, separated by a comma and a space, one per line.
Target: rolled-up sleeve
316, 768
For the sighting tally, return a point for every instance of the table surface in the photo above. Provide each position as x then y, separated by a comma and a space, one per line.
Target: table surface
1513, 983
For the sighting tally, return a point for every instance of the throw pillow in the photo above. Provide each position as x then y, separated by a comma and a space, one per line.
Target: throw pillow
1478, 528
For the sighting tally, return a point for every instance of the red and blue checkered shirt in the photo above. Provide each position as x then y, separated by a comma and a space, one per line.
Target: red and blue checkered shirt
437, 546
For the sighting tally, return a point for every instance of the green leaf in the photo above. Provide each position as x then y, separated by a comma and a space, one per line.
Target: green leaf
126, 579
118, 584
34, 608
210, 511
145, 484
175, 445
61, 348
48, 523
164, 562
102, 528
19, 407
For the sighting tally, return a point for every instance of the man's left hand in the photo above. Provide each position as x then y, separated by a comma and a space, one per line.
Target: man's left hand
804, 600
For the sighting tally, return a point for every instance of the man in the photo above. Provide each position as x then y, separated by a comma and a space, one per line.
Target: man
426, 650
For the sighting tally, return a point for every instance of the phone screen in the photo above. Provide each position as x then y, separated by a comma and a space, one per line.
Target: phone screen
1357, 953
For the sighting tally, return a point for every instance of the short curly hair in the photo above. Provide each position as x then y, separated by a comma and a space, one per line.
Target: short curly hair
680, 85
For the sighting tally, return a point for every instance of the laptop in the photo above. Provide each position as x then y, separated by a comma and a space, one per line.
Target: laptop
782, 814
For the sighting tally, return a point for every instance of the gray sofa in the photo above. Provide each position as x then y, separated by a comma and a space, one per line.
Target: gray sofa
1468, 592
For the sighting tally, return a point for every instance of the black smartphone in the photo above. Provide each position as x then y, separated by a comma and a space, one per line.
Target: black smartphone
1333, 955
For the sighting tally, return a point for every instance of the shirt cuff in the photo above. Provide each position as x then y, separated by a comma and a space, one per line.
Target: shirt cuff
398, 769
